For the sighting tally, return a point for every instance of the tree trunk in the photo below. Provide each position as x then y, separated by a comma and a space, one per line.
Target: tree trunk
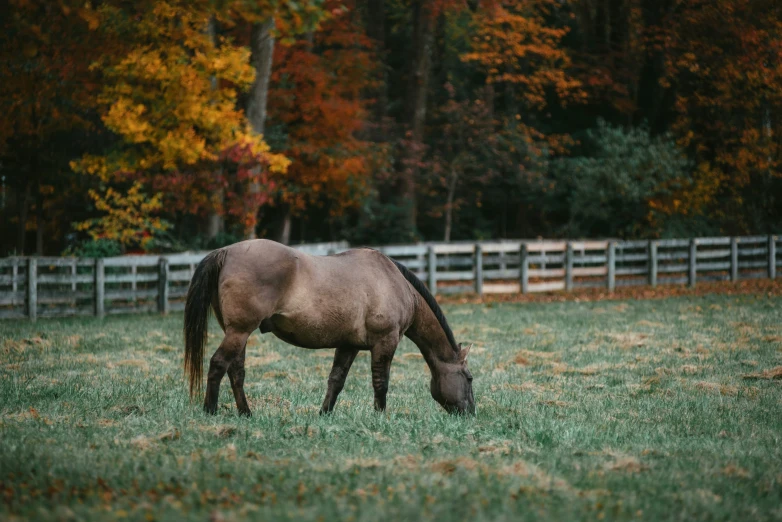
39, 222
449, 204
262, 49
421, 60
285, 230
216, 221
23, 218
423, 41
376, 30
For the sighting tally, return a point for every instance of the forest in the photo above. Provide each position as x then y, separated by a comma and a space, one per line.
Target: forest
135, 126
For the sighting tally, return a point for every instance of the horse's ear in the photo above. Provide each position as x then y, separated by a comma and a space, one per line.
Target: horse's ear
463, 353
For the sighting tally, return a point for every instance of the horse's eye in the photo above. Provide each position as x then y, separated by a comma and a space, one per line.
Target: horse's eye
468, 375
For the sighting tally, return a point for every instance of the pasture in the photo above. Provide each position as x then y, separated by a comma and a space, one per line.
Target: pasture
622, 410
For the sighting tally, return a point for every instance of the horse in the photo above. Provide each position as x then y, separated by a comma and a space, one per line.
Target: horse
356, 300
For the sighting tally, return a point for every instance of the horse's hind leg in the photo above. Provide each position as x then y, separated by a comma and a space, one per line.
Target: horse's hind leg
236, 376
231, 349
343, 359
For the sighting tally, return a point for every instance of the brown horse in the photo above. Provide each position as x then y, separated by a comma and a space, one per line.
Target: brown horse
356, 300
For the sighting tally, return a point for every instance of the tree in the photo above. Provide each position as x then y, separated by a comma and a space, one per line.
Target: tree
46, 95
621, 186
724, 61
466, 152
159, 98
319, 108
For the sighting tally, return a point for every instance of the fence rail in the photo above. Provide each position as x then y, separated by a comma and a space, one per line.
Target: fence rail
32, 287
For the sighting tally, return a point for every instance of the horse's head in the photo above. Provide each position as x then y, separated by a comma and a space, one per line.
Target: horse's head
452, 385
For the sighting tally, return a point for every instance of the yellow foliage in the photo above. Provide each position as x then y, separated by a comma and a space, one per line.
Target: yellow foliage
172, 99
126, 217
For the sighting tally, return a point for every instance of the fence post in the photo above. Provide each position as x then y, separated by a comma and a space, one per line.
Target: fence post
611, 266
74, 271
162, 286
432, 269
32, 288
693, 261
734, 259
14, 273
100, 287
569, 267
772, 257
653, 263
524, 268
478, 269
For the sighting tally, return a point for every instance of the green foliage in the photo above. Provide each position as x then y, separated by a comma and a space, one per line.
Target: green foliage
94, 248
609, 189
378, 223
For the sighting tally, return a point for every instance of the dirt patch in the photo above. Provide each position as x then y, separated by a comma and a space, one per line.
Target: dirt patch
749, 286
251, 362
137, 363
627, 340
713, 387
650, 324
731, 470
23, 345
626, 465
147, 441
527, 357
772, 374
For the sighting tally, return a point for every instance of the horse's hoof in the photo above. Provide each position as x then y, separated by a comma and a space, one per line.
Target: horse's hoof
210, 410
245, 413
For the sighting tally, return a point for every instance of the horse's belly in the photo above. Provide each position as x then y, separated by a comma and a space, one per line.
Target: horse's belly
311, 332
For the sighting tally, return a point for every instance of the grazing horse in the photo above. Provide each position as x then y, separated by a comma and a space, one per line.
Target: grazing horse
356, 300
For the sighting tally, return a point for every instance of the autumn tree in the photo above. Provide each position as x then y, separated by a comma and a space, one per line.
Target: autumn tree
46, 95
520, 52
724, 62
160, 98
318, 110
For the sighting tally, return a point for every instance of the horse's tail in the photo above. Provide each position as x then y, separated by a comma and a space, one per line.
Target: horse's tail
203, 288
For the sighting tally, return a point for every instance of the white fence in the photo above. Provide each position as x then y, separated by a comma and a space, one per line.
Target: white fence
55, 286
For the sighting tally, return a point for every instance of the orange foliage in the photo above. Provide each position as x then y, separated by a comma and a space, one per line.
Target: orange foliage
724, 59
514, 44
46, 83
316, 98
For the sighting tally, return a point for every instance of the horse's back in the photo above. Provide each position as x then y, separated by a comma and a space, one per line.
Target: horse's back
315, 301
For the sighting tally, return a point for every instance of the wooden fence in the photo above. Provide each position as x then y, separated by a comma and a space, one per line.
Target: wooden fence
53, 286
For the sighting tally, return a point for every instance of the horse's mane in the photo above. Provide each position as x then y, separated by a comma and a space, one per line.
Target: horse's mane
420, 287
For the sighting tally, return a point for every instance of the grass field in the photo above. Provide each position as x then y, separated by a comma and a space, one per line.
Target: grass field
653, 410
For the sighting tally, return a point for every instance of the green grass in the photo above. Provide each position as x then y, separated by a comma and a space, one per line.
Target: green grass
615, 410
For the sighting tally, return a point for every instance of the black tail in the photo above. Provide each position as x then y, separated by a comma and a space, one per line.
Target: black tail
199, 300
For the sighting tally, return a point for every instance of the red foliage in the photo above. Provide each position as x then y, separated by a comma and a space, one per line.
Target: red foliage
316, 99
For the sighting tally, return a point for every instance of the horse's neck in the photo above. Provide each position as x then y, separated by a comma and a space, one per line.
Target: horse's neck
429, 336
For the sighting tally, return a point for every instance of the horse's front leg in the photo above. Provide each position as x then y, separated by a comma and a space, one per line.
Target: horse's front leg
233, 344
382, 355
343, 359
